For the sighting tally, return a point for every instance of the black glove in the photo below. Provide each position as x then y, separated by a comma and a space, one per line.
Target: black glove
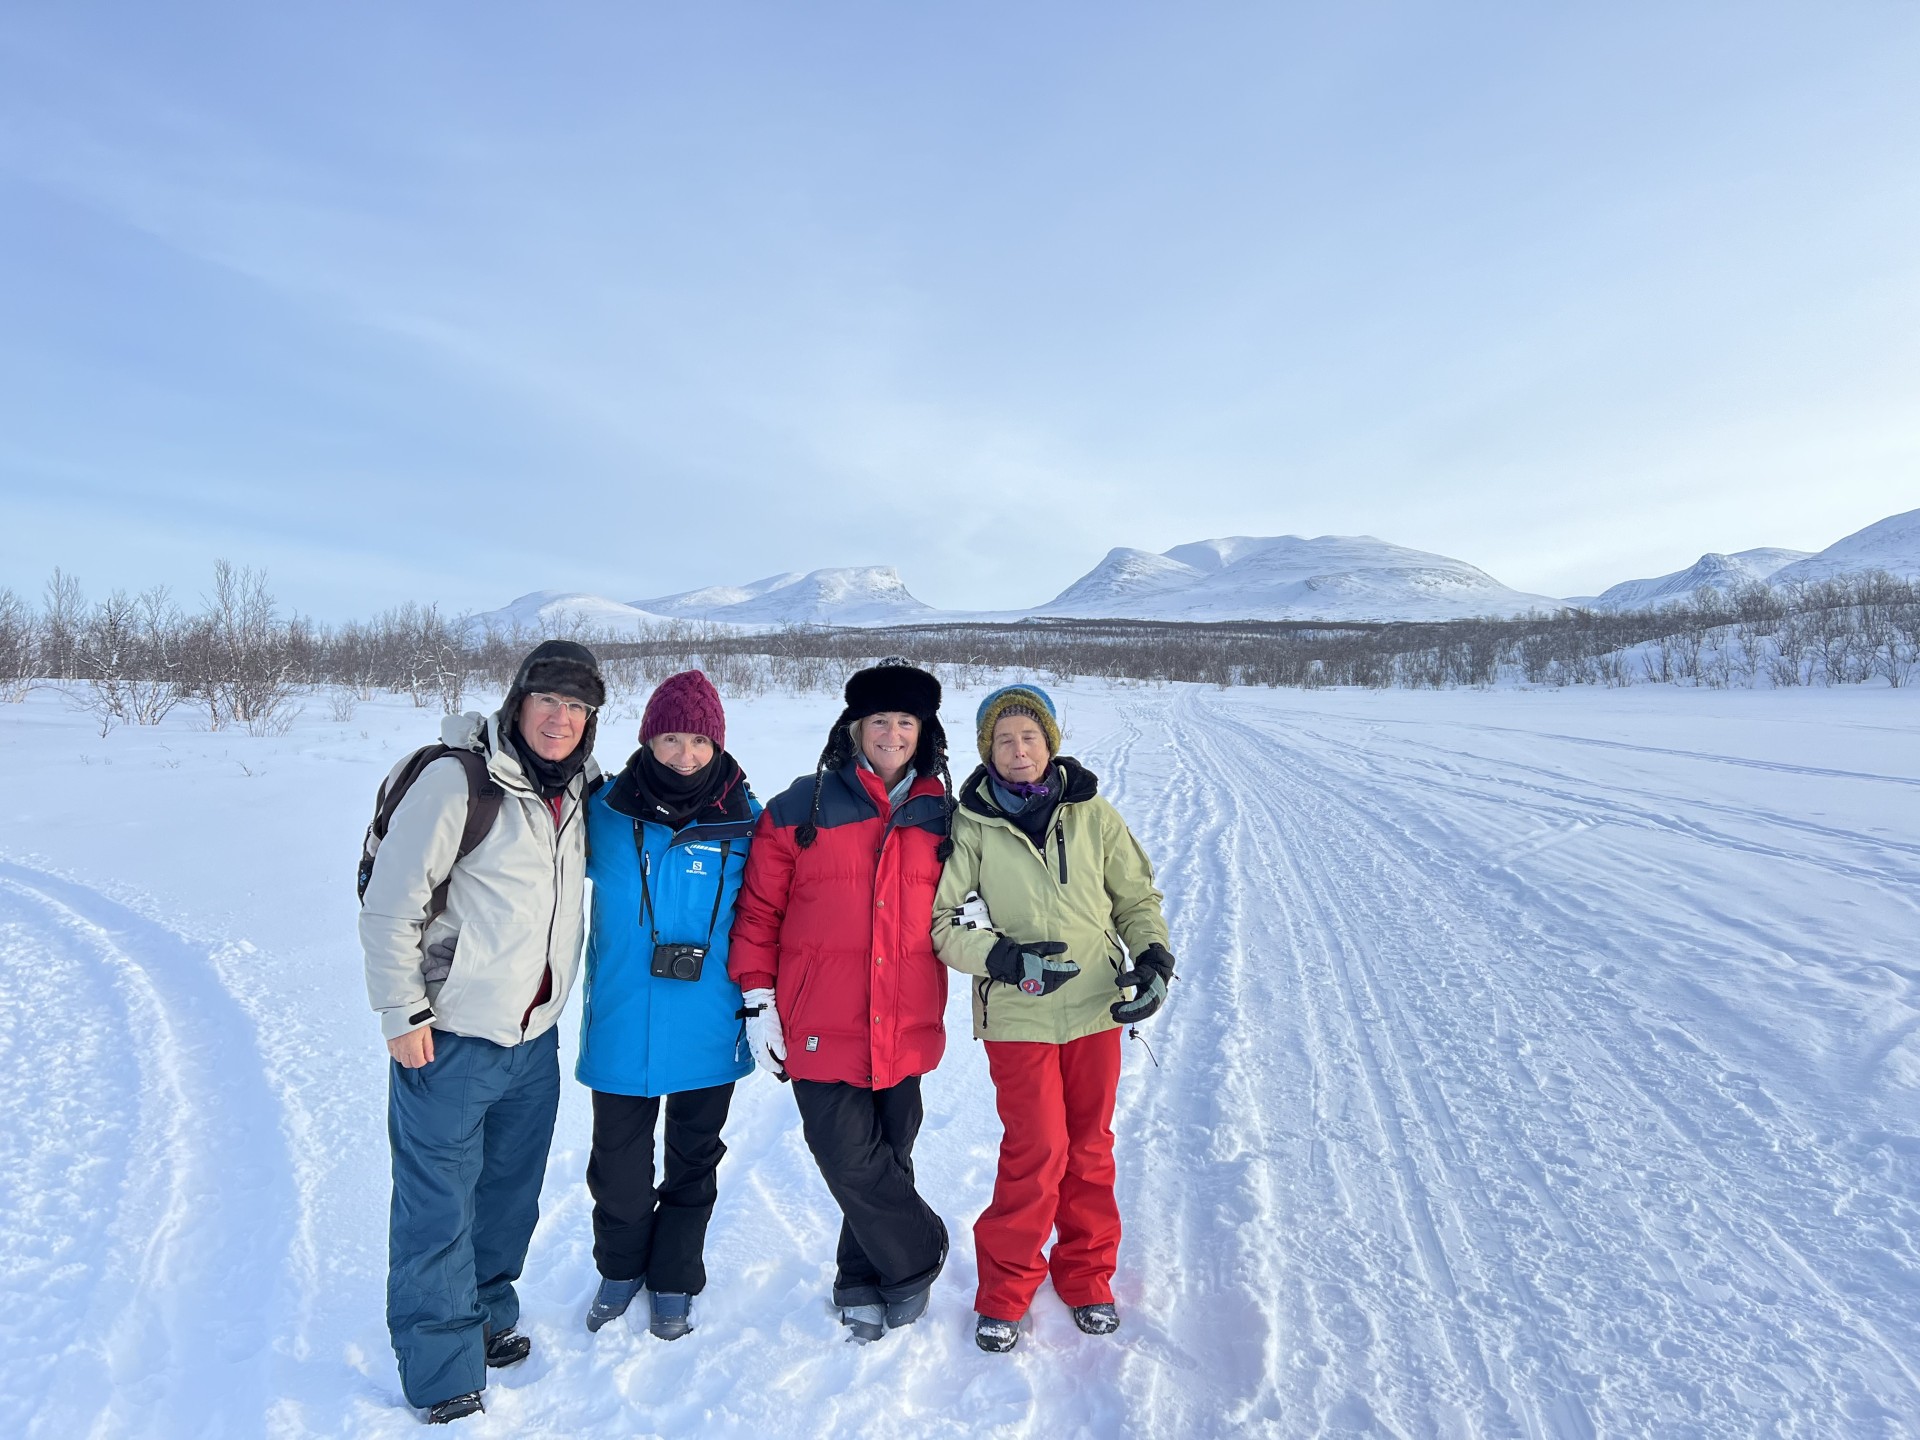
1152, 969
1029, 964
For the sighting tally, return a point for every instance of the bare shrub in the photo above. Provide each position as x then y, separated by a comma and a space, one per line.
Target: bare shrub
239, 657
62, 615
19, 646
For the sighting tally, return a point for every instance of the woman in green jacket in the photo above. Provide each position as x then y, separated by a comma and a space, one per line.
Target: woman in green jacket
1045, 897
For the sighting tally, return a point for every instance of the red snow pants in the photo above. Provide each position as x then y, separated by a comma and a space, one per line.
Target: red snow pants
1056, 1175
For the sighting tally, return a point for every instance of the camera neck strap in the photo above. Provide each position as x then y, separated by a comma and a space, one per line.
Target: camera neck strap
646, 894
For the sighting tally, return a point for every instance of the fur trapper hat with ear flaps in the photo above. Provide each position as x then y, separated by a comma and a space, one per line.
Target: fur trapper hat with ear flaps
892, 685
560, 667
557, 667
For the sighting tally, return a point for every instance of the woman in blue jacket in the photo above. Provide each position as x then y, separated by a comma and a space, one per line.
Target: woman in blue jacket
666, 849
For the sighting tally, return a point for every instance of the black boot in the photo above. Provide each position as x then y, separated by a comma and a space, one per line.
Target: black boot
458, 1408
996, 1337
507, 1347
1097, 1319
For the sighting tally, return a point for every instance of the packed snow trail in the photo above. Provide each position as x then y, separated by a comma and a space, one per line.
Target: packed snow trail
1539, 1066
142, 1176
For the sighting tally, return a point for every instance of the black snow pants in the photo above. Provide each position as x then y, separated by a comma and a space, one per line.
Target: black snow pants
892, 1244
640, 1232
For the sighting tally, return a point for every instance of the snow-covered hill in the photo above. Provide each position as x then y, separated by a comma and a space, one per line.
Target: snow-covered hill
1288, 577
1892, 544
550, 611
1121, 583
1710, 572
701, 603
852, 595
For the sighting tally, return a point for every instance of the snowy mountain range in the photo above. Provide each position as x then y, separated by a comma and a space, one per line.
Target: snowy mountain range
1892, 544
1240, 577
1710, 572
864, 595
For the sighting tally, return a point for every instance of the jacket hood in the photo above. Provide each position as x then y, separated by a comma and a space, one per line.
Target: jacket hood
1080, 783
465, 732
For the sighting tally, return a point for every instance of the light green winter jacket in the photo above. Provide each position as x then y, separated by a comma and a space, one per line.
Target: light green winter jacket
1090, 886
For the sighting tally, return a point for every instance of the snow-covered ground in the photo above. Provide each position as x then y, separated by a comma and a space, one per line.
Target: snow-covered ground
1543, 1064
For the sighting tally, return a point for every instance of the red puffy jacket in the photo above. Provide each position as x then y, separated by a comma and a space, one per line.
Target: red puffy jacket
841, 931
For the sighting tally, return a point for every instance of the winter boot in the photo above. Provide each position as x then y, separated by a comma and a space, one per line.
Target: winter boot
905, 1312
996, 1337
507, 1347
867, 1322
610, 1301
1097, 1319
458, 1408
671, 1314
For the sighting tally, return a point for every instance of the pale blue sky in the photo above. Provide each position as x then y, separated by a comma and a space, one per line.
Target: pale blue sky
453, 301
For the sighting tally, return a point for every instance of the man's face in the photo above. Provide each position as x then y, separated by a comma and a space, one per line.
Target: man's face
553, 724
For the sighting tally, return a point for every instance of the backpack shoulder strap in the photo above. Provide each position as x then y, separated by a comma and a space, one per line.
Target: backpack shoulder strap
484, 798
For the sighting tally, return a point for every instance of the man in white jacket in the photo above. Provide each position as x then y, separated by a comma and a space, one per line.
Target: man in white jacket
468, 998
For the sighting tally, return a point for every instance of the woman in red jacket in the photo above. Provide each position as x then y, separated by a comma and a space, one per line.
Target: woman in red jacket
832, 946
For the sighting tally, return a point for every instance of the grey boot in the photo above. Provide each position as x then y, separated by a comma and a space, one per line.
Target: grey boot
671, 1314
610, 1301
867, 1322
905, 1312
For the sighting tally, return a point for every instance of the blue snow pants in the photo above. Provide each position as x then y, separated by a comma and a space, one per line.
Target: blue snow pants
470, 1133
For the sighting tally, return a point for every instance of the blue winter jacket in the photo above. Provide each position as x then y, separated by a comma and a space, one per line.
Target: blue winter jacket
641, 1034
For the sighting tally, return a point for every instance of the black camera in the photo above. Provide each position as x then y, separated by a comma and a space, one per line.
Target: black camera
678, 962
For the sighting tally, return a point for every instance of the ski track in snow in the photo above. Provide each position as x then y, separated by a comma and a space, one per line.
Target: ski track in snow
1466, 1122
145, 1184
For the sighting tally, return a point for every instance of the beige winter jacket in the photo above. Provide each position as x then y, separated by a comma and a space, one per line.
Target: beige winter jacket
514, 905
1091, 888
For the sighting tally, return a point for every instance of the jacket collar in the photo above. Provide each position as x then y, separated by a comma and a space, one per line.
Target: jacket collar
481, 733
914, 810
1078, 785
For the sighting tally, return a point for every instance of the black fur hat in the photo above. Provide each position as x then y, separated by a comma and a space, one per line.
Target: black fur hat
557, 667
892, 685
561, 667
897, 685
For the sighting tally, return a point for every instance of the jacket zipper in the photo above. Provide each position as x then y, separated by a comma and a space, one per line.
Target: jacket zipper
553, 918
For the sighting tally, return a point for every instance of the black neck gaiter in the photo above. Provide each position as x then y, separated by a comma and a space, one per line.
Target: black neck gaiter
648, 790
548, 777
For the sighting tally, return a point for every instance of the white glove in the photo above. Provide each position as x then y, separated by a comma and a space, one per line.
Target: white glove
764, 1037
972, 913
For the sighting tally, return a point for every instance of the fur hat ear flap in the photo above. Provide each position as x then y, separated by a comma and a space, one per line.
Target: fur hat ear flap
930, 755
839, 746
943, 852
808, 832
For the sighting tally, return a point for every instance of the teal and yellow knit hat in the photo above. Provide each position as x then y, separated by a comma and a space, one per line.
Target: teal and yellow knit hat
1016, 700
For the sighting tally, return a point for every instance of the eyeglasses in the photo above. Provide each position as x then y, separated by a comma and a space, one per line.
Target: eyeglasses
575, 709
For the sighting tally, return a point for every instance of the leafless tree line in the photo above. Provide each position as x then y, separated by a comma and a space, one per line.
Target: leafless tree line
133, 659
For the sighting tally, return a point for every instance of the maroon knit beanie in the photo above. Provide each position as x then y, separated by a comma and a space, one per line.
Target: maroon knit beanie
685, 704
